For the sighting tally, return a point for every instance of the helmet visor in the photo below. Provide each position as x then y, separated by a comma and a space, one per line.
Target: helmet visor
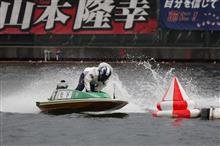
104, 74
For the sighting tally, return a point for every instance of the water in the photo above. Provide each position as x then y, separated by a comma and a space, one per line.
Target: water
142, 84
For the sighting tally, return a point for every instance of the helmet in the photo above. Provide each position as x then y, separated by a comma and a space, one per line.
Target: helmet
104, 73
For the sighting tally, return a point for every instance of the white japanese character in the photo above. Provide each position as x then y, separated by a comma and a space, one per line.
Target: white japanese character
205, 3
94, 14
196, 3
15, 14
178, 3
168, 4
187, 3
213, 3
53, 14
136, 11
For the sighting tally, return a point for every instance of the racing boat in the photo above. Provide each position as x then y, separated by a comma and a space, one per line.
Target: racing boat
69, 101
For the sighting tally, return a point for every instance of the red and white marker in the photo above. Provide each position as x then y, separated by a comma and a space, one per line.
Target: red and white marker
193, 113
176, 103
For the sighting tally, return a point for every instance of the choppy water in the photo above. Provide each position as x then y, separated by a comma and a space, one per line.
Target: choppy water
142, 84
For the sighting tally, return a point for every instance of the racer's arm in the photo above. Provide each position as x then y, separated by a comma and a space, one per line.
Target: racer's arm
88, 78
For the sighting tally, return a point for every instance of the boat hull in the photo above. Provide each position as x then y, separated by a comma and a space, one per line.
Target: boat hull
73, 105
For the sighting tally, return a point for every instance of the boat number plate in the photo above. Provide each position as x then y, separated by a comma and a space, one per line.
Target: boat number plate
64, 95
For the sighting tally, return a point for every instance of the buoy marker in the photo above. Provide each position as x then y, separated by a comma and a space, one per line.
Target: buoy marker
176, 103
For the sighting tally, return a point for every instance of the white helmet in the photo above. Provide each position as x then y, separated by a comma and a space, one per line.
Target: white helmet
105, 71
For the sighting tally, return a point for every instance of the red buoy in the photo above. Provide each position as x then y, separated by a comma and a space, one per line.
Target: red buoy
176, 103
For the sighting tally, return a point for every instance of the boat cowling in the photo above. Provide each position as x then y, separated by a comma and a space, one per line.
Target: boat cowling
75, 94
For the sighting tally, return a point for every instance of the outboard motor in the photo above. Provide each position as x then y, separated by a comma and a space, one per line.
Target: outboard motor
62, 85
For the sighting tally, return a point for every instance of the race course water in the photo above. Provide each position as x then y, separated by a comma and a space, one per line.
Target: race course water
142, 84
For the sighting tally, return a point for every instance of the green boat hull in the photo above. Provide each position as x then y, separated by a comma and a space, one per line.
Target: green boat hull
69, 101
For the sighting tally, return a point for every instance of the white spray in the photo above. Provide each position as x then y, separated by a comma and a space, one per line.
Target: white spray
19, 94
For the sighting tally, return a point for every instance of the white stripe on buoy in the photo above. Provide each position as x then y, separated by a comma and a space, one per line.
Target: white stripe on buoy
193, 113
175, 105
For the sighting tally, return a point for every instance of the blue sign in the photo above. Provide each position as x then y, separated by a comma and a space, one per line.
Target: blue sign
190, 14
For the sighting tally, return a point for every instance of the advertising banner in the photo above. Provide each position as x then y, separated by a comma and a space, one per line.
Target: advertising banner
190, 14
77, 16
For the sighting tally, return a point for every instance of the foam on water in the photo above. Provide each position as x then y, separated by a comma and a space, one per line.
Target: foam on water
116, 88
39, 84
161, 81
39, 87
